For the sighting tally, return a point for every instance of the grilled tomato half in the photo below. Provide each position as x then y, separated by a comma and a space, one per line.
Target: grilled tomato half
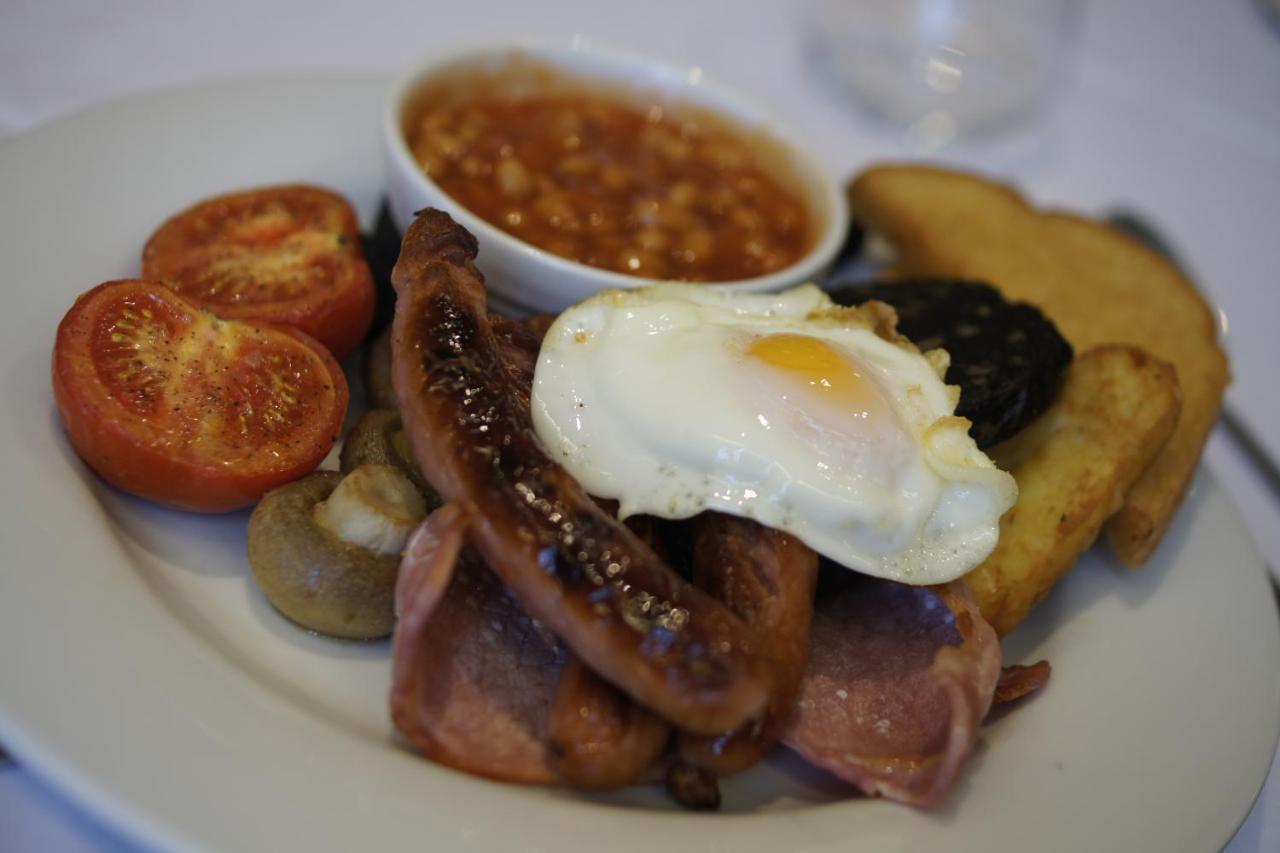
168, 402
288, 255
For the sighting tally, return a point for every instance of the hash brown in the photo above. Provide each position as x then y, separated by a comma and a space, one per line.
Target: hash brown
1117, 409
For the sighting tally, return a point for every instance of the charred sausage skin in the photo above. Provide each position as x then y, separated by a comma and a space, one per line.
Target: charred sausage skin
579, 571
767, 578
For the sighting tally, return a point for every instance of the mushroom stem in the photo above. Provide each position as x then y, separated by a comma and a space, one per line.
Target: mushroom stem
374, 507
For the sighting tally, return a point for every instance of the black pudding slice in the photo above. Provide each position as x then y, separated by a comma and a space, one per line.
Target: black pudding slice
1007, 358
381, 251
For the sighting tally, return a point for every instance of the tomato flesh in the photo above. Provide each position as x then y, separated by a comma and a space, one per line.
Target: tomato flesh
284, 255
168, 402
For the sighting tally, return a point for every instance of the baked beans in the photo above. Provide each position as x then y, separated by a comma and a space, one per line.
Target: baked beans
645, 189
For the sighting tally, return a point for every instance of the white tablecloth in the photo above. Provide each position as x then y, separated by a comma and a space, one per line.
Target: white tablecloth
1170, 107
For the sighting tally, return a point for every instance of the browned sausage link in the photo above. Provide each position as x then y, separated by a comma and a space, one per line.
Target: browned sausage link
577, 570
537, 325
519, 351
520, 341
767, 578
597, 737
693, 787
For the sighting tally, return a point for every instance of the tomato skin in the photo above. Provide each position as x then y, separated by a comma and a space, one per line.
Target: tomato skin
242, 255
157, 457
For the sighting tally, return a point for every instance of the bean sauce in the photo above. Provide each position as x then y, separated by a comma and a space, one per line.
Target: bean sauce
639, 188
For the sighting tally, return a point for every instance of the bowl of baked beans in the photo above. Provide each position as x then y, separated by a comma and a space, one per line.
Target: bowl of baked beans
581, 167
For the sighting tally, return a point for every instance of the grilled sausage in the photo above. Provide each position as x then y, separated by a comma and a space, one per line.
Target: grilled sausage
574, 568
597, 737
767, 578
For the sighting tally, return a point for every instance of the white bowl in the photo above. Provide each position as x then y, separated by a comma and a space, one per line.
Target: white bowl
521, 275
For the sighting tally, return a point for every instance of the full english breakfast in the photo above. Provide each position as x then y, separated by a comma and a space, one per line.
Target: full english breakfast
670, 528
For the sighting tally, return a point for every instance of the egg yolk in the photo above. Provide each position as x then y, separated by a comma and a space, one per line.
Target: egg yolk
824, 370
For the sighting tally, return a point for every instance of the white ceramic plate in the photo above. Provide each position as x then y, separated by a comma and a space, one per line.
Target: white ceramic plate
142, 673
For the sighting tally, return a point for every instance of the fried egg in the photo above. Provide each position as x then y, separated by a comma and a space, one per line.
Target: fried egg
783, 408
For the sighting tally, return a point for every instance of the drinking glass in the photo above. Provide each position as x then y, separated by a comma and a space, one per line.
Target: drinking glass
942, 68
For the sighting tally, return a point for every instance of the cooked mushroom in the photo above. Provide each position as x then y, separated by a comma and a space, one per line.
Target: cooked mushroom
378, 437
377, 372
326, 548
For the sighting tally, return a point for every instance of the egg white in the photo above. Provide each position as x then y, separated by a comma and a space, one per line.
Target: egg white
656, 398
